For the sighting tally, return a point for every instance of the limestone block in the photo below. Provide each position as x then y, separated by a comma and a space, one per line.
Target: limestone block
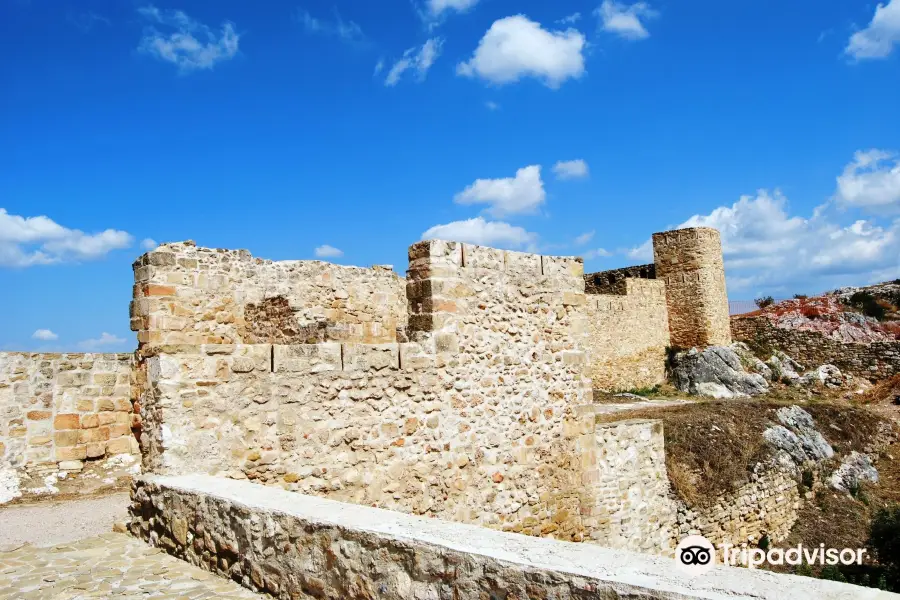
370, 357
482, 257
307, 358
522, 264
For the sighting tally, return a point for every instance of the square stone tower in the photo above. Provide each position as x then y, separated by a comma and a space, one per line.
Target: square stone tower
690, 262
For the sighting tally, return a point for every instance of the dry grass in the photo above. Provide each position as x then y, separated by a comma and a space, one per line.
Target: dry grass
712, 447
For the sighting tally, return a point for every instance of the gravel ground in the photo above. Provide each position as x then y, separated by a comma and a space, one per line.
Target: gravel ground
52, 523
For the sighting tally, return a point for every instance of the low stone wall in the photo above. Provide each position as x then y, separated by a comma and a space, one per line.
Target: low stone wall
58, 411
875, 360
768, 504
628, 334
294, 546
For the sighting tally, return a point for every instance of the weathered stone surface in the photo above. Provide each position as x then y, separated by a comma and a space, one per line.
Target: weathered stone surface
797, 439
784, 368
855, 469
828, 375
292, 546
628, 335
185, 294
715, 371
690, 262
111, 565
47, 404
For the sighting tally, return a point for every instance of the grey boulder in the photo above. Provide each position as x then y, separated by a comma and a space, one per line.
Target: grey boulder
715, 371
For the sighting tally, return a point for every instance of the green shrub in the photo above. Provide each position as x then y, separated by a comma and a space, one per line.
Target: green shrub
764, 301
868, 304
884, 536
800, 296
764, 542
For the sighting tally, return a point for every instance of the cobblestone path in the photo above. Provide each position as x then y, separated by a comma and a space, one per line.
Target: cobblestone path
111, 565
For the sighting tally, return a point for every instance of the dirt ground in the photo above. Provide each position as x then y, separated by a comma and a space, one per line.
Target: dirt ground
51, 523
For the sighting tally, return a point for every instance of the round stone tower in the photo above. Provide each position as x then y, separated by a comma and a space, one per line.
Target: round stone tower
690, 262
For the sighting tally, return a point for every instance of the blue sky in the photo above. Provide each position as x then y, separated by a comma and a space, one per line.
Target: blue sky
350, 129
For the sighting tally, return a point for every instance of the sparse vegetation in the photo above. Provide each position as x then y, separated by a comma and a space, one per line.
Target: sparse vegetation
868, 304
800, 296
764, 301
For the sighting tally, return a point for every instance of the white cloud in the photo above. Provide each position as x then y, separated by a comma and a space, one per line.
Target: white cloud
420, 60
521, 194
584, 238
437, 7
347, 31
492, 105
766, 248
148, 244
516, 47
105, 342
326, 251
379, 67
596, 253
27, 241
484, 233
573, 18
45, 335
878, 38
625, 20
181, 46
871, 181
570, 169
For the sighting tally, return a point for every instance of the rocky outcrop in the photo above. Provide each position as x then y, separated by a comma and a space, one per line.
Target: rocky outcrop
796, 440
784, 368
716, 371
854, 469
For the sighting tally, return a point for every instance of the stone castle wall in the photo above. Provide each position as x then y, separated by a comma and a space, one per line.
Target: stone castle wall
59, 412
472, 421
189, 295
690, 263
628, 335
875, 360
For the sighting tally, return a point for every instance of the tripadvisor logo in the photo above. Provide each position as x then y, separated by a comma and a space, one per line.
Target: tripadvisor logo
696, 555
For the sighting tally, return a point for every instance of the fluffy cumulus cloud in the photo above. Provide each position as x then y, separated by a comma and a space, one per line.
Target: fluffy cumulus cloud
571, 19
624, 20
878, 39
44, 335
186, 43
346, 31
484, 233
516, 47
522, 194
437, 7
107, 342
769, 250
326, 251
148, 244
570, 169
28, 241
871, 181
419, 59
